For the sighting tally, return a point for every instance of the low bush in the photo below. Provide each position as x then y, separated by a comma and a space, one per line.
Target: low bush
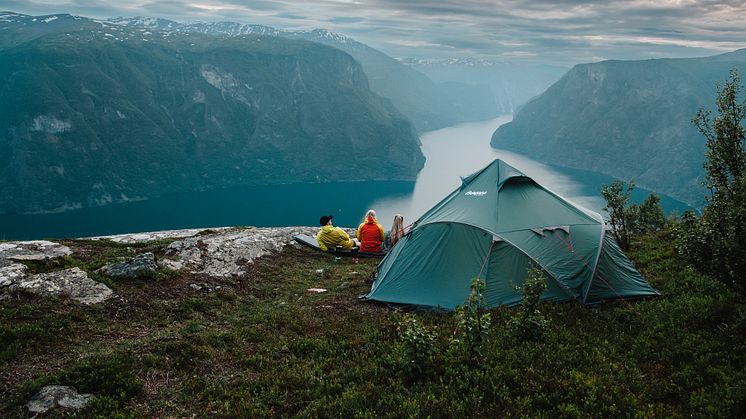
472, 323
529, 323
419, 344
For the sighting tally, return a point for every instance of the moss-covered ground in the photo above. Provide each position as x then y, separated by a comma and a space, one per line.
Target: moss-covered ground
262, 345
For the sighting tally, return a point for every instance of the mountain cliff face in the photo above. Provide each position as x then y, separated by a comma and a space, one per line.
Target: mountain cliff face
427, 104
99, 113
627, 119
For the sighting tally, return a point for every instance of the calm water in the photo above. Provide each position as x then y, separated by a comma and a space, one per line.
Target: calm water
451, 152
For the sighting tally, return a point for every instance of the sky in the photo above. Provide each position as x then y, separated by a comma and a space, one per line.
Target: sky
560, 32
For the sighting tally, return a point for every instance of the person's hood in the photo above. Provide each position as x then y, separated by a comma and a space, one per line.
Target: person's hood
327, 228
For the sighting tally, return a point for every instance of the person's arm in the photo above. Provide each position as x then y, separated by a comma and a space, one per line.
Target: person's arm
383, 233
322, 246
359, 230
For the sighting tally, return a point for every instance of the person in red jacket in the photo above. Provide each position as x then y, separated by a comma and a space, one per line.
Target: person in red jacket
371, 234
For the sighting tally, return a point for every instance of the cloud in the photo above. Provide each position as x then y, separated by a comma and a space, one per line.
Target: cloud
563, 32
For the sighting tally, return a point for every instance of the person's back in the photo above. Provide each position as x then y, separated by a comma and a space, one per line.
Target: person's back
397, 230
330, 237
371, 234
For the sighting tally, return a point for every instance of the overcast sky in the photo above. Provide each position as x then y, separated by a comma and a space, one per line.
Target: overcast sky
563, 32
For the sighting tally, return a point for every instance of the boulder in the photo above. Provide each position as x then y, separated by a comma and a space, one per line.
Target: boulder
142, 265
57, 396
73, 282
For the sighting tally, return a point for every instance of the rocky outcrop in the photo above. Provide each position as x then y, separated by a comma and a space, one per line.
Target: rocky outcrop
141, 266
73, 282
50, 397
222, 254
157, 235
31, 250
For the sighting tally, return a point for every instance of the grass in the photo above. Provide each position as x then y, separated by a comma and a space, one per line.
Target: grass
262, 345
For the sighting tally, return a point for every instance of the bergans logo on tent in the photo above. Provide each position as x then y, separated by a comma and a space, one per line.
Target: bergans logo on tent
476, 193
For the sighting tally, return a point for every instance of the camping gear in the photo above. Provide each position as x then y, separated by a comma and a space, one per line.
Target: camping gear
495, 226
355, 252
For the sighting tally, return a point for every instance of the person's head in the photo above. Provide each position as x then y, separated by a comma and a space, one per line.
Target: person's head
370, 215
326, 220
397, 229
398, 222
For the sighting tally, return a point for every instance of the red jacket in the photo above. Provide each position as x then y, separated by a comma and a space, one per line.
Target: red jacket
371, 236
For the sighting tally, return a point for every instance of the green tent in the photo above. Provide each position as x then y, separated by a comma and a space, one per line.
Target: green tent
495, 226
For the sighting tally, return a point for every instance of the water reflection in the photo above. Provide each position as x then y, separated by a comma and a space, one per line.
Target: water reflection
461, 150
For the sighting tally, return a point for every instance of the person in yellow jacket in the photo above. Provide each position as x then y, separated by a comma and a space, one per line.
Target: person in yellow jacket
330, 237
371, 234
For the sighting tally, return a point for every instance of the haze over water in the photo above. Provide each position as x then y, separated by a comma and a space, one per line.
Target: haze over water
463, 149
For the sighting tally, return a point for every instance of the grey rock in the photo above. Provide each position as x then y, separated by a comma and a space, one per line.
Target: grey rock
222, 254
11, 274
31, 250
156, 235
57, 396
73, 282
142, 265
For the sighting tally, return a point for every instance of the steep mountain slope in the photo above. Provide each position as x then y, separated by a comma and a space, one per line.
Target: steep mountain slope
628, 119
428, 105
108, 113
511, 84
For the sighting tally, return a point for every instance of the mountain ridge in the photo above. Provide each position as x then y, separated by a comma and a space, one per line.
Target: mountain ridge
107, 114
427, 104
627, 119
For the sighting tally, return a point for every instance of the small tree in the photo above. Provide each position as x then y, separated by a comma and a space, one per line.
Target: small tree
530, 323
628, 219
715, 243
419, 345
472, 322
650, 215
620, 217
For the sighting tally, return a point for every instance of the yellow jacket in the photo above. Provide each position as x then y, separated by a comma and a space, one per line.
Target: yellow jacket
330, 237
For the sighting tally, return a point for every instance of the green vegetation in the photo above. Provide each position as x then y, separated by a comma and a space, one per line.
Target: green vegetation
472, 324
627, 220
529, 323
263, 345
715, 243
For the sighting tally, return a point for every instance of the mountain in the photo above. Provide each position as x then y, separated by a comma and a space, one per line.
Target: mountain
93, 113
627, 119
511, 84
427, 104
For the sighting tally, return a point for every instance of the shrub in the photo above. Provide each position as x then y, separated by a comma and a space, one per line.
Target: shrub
419, 345
472, 323
627, 219
529, 323
715, 244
